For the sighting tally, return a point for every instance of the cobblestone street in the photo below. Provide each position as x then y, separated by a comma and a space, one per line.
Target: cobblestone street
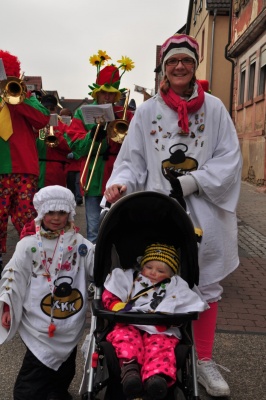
240, 343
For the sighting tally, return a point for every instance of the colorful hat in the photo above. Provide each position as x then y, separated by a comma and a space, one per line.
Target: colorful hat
11, 64
205, 85
54, 198
162, 252
49, 100
177, 44
108, 78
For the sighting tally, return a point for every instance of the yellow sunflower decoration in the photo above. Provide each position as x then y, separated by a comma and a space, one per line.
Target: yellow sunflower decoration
108, 78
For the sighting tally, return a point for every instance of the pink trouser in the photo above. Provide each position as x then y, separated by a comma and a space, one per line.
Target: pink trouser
16, 195
155, 353
204, 332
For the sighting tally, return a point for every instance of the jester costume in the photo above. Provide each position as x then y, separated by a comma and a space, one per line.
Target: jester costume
19, 168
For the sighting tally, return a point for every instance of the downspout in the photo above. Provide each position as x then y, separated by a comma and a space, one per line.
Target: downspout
231, 61
212, 46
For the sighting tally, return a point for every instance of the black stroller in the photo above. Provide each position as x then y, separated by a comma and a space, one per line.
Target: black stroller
130, 224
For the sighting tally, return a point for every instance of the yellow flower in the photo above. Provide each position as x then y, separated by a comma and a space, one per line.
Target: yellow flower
103, 56
126, 63
95, 60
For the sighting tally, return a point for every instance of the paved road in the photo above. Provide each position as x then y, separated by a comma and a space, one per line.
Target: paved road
240, 342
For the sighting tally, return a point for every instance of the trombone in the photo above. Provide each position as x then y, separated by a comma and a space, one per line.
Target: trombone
116, 131
82, 182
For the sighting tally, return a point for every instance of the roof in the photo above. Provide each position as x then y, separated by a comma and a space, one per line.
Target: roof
218, 4
34, 82
74, 104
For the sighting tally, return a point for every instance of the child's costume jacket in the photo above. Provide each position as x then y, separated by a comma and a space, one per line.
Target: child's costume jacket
173, 297
25, 288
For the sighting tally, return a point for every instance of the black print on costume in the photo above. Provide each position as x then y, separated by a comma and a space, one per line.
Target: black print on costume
157, 299
178, 163
66, 301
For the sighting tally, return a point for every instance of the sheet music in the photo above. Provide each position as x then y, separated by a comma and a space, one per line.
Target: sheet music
97, 113
66, 119
53, 120
2, 71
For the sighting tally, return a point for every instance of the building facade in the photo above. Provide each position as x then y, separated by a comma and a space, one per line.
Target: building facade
248, 51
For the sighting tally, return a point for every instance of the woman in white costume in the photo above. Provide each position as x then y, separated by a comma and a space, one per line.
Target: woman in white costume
182, 142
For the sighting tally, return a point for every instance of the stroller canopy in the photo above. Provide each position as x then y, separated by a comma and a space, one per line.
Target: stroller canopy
138, 220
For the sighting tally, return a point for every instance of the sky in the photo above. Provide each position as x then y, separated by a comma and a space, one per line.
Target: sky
55, 39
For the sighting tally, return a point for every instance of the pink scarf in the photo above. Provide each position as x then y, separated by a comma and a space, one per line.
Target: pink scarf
183, 107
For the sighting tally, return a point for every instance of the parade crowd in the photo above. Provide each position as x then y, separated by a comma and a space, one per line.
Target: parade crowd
181, 142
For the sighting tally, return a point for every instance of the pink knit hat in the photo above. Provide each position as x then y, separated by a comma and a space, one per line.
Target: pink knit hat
177, 44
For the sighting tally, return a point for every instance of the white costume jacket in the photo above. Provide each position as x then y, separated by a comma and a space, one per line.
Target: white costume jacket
174, 297
210, 152
25, 288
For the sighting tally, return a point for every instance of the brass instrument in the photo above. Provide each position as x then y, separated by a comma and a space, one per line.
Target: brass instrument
83, 177
117, 129
13, 90
47, 133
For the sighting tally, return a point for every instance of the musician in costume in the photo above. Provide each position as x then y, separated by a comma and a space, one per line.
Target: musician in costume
53, 159
19, 167
73, 168
80, 136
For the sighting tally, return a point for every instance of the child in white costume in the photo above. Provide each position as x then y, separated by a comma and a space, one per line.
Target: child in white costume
43, 296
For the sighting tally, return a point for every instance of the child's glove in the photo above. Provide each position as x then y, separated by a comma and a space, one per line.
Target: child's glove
119, 306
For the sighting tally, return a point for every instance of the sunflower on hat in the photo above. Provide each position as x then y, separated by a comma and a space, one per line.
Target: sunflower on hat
108, 78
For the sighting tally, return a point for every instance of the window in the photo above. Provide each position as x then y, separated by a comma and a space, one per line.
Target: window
195, 12
202, 44
262, 72
242, 83
252, 69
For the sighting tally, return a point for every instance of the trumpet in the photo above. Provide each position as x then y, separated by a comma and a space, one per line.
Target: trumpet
117, 129
47, 133
13, 90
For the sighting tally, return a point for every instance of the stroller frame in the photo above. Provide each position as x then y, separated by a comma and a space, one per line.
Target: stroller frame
133, 222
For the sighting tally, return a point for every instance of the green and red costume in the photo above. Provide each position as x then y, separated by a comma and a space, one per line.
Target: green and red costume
19, 166
79, 139
53, 161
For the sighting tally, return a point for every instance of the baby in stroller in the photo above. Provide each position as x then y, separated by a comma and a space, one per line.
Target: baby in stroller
146, 353
141, 228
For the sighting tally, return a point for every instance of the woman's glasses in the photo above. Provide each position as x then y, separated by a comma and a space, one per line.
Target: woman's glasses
175, 61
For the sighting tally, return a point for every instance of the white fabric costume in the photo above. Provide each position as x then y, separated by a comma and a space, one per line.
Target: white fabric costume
173, 297
211, 154
25, 288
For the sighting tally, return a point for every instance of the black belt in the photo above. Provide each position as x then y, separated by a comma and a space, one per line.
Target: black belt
59, 161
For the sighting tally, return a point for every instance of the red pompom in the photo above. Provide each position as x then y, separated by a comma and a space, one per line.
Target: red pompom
11, 64
51, 330
204, 84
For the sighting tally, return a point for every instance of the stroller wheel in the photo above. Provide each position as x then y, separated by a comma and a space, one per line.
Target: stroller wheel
179, 395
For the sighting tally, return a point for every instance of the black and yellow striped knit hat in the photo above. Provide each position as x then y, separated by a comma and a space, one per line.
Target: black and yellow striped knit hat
162, 252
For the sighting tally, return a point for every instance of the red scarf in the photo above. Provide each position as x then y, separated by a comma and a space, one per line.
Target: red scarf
183, 107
